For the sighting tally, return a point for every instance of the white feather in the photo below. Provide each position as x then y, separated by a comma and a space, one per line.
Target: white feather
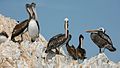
33, 29
66, 19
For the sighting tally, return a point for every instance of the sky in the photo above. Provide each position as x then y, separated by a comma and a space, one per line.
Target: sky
82, 15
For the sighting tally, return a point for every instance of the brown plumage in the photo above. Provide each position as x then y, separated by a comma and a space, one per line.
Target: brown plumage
59, 40
71, 49
80, 52
101, 39
56, 42
22, 26
19, 29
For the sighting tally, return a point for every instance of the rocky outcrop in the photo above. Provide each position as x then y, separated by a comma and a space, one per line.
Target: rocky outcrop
31, 55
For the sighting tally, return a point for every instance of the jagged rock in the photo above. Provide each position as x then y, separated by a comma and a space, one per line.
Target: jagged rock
31, 55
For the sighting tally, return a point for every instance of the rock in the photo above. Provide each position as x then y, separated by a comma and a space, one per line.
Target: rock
32, 55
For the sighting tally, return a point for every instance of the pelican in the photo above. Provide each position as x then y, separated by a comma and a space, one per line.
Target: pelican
58, 40
33, 26
80, 52
101, 39
71, 49
22, 27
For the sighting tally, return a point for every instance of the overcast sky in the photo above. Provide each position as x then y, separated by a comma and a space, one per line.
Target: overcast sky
82, 14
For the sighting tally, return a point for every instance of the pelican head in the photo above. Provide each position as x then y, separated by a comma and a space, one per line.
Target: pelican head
33, 5
100, 29
81, 38
66, 19
29, 9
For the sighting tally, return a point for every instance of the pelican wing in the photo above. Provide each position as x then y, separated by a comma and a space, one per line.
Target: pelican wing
19, 28
71, 50
106, 37
56, 41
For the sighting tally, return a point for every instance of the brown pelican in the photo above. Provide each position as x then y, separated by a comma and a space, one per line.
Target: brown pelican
80, 52
101, 39
33, 26
22, 27
3, 37
58, 40
71, 49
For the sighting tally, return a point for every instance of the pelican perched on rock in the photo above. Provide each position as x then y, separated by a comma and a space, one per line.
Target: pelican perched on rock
22, 26
71, 49
33, 26
58, 40
101, 39
3, 36
80, 52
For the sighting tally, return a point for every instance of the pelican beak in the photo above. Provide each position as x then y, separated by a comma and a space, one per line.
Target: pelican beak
91, 31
